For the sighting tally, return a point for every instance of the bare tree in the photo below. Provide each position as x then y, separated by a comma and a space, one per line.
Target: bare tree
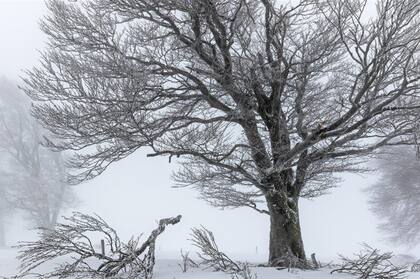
395, 197
32, 177
262, 102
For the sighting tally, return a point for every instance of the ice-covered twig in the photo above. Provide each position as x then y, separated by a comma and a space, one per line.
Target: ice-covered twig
73, 239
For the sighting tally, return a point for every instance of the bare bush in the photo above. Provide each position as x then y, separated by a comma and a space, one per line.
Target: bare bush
213, 258
371, 263
74, 240
187, 262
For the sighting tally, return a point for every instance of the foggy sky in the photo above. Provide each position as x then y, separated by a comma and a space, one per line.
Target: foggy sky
134, 193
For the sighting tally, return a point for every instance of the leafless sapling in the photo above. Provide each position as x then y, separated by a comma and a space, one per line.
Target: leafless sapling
186, 262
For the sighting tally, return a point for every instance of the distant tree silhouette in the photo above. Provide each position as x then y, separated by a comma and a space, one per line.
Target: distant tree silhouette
32, 177
395, 197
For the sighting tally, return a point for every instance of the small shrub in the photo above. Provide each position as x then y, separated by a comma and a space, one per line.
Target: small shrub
371, 263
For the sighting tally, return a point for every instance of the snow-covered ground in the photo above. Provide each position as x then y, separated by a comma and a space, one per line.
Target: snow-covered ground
169, 269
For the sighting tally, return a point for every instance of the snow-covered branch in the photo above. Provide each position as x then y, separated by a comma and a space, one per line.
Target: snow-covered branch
75, 239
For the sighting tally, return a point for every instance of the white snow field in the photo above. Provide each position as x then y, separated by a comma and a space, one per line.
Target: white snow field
169, 269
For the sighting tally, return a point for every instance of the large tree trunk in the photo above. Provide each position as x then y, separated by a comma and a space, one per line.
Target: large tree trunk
286, 245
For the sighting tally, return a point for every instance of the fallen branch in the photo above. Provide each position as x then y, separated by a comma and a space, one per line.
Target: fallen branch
131, 260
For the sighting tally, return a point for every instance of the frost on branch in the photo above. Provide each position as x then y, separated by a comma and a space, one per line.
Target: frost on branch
211, 257
371, 263
74, 239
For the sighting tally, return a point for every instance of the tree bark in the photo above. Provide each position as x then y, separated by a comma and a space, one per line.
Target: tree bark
286, 245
